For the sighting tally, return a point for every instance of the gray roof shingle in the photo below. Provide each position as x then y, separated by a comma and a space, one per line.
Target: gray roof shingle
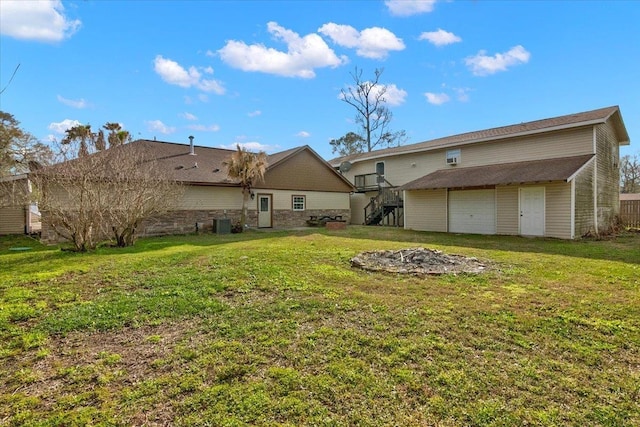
558, 169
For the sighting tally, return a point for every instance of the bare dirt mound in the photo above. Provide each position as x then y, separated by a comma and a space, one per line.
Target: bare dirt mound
418, 262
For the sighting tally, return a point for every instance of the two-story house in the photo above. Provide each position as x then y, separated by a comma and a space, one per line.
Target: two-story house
556, 177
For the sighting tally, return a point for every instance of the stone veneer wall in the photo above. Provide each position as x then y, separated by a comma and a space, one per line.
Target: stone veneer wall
184, 221
287, 218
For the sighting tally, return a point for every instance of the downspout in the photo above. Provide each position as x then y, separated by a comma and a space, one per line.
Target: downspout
595, 185
573, 209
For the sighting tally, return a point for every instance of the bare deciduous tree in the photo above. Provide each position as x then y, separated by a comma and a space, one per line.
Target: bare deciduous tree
104, 194
373, 116
248, 168
630, 174
18, 148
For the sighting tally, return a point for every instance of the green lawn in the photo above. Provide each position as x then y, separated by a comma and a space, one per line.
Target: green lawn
276, 328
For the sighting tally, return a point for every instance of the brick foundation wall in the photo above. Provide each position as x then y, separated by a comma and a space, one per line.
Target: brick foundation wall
184, 221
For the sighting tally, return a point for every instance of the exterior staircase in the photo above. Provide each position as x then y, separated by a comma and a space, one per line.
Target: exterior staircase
385, 208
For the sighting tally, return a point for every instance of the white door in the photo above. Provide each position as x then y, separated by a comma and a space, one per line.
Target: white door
264, 210
532, 211
472, 211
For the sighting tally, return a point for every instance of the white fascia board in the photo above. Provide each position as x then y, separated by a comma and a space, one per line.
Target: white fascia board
572, 177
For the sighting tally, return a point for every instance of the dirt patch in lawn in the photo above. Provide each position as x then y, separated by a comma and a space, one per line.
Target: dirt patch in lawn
418, 262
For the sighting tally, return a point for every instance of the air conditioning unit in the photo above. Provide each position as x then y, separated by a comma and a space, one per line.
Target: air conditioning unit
452, 160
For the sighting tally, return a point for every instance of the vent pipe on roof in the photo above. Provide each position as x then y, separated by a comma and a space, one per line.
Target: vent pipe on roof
191, 150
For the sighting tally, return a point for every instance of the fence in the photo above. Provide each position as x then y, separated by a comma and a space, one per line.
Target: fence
630, 213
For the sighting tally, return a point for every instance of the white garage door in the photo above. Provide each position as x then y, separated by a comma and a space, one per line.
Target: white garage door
472, 211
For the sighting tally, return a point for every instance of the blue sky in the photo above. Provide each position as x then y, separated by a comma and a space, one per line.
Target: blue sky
268, 74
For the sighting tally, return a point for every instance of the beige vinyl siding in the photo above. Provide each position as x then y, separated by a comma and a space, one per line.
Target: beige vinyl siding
358, 202
566, 143
282, 199
507, 210
210, 197
12, 220
558, 210
426, 210
303, 171
607, 175
583, 201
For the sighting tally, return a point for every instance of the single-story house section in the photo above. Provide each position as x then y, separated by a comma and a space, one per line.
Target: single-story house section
556, 177
297, 184
17, 214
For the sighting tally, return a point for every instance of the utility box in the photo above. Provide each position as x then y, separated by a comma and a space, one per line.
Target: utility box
222, 225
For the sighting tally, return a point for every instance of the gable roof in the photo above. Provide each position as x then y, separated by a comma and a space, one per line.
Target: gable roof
559, 169
206, 165
586, 118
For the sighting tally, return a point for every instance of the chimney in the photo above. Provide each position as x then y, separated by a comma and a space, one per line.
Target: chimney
191, 150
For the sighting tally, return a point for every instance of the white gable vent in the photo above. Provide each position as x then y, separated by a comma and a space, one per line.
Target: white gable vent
453, 157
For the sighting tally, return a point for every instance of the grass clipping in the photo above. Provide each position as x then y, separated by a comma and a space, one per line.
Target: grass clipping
418, 262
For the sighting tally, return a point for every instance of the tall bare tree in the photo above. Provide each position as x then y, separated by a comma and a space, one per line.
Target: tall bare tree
249, 169
630, 174
104, 194
372, 113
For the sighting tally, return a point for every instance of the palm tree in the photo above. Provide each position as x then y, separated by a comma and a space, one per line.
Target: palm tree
249, 169
83, 135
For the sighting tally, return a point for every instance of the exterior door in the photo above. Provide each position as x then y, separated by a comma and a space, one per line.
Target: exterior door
264, 210
532, 211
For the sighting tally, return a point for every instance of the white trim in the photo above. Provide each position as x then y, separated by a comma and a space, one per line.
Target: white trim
573, 210
595, 198
404, 210
572, 177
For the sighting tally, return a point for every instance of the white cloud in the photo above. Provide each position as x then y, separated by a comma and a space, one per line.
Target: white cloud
437, 98
393, 95
303, 134
188, 116
252, 146
462, 93
203, 128
483, 65
60, 127
79, 103
158, 126
409, 7
203, 97
43, 21
173, 73
374, 42
255, 113
303, 55
440, 37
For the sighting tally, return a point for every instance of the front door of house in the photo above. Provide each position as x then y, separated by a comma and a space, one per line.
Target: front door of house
264, 210
532, 211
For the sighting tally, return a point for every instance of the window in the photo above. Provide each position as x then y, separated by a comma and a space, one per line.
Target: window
453, 157
380, 168
298, 203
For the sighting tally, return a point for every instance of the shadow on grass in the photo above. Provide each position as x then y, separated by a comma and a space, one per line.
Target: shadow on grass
624, 247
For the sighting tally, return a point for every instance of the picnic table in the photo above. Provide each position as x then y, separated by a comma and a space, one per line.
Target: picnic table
317, 220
